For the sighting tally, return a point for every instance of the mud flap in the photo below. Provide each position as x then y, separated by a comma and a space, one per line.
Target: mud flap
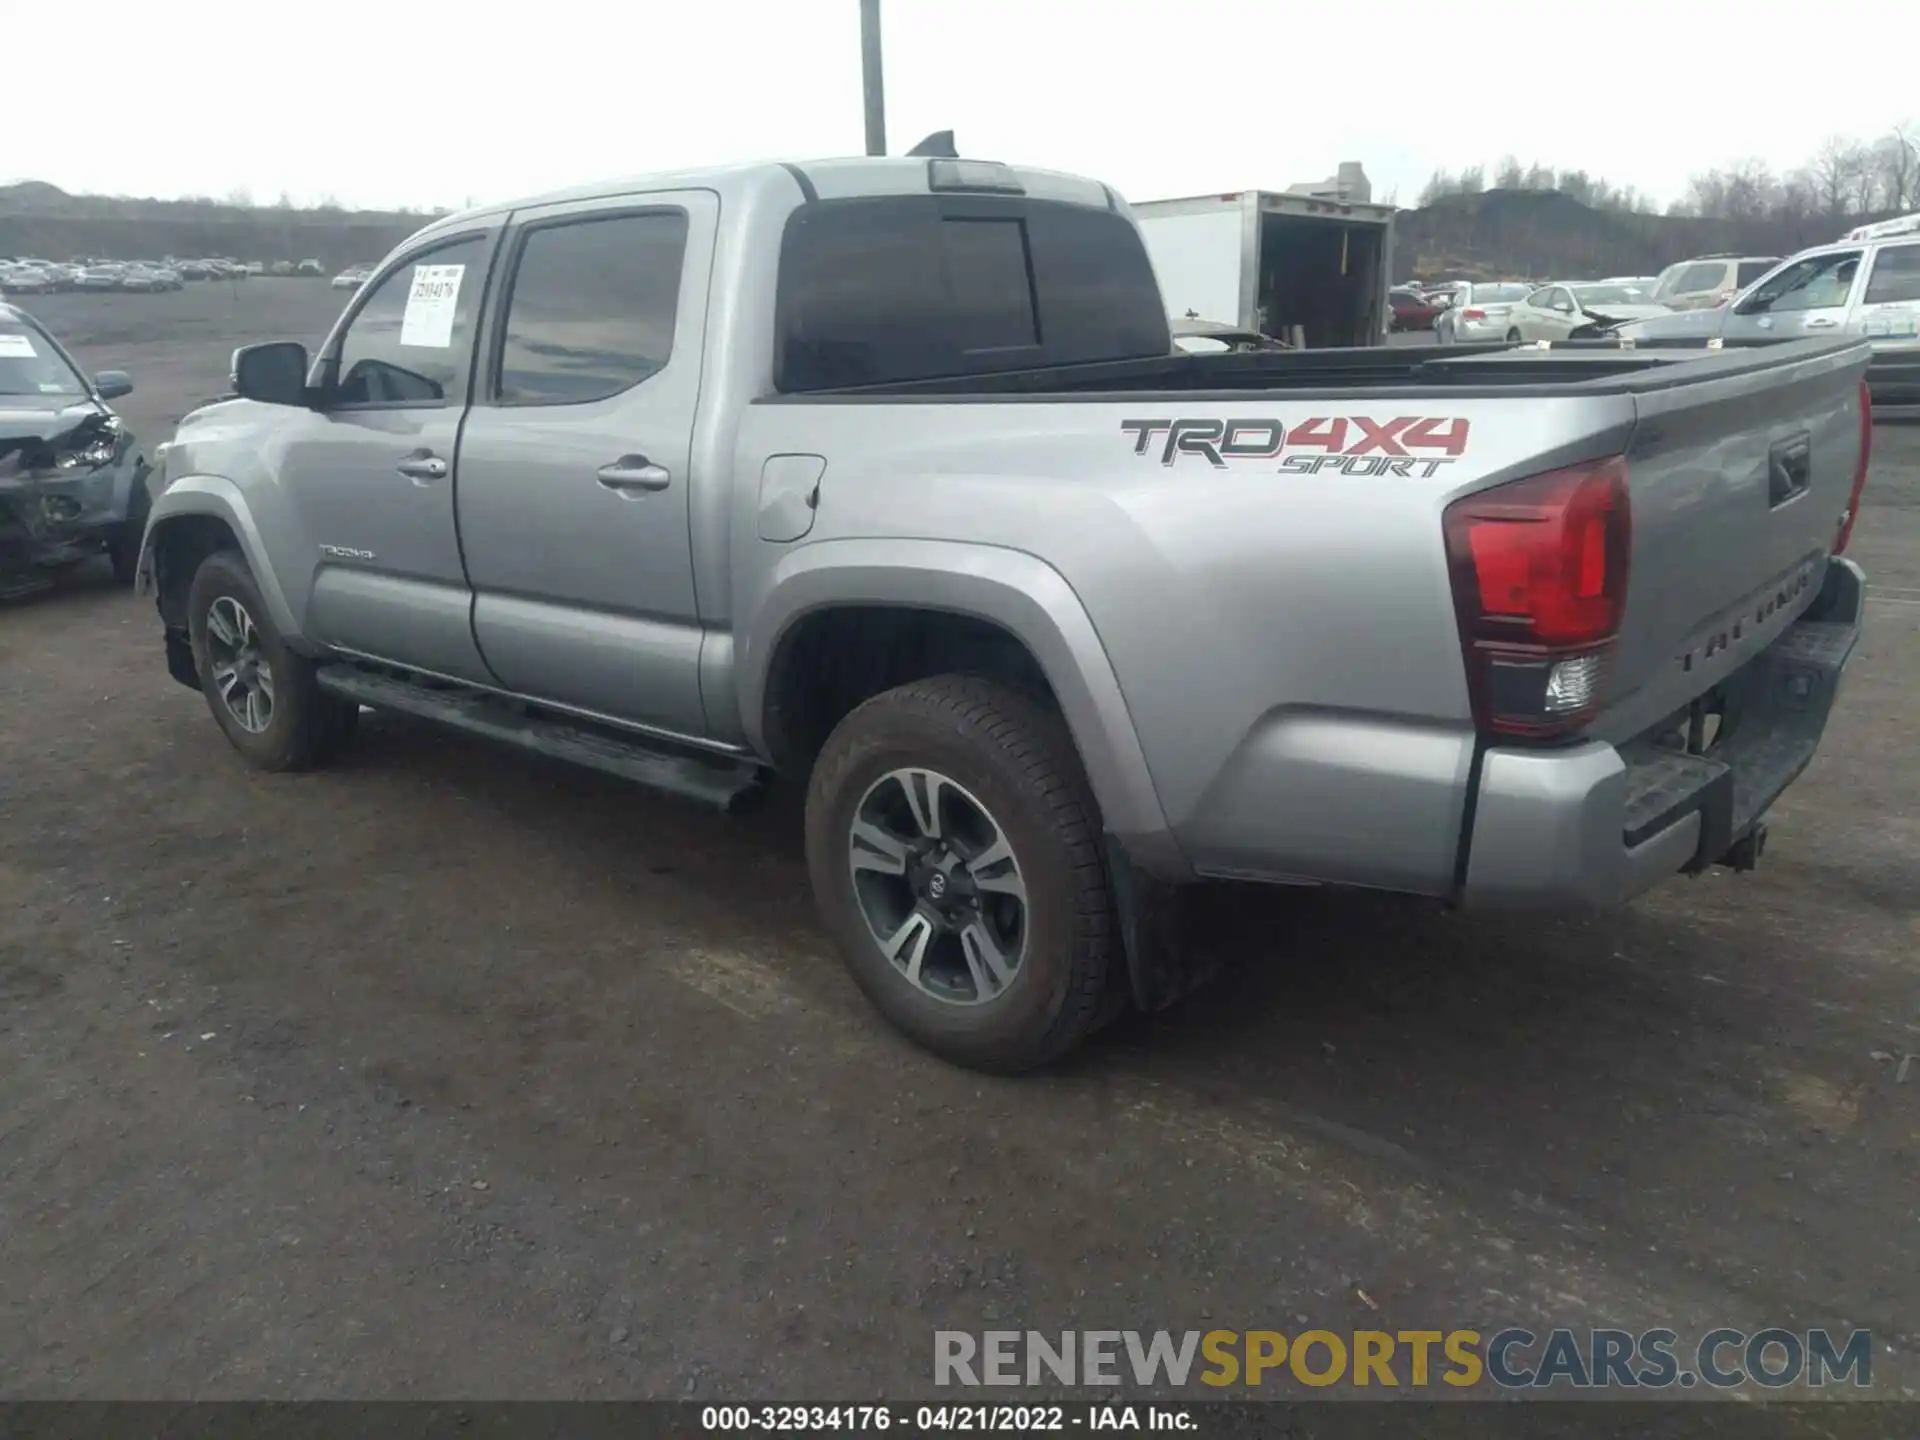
180, 659
1161, 967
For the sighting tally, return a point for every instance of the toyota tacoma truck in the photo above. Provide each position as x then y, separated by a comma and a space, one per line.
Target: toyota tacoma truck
886, 474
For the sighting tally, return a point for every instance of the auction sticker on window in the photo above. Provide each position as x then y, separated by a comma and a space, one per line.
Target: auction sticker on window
430, 305
16, 347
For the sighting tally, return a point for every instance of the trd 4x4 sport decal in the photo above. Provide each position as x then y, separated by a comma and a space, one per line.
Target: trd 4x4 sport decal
1347, 444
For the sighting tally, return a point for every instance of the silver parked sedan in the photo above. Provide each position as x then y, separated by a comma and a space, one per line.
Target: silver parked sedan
1479, 312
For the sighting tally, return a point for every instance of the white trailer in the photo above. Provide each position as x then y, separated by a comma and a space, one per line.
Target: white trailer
1308, 268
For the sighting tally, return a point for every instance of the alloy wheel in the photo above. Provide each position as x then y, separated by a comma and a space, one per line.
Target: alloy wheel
242, 676
939, 886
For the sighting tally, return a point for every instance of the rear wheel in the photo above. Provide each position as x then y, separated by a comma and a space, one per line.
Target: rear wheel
955, 853
262, 694
1513, 337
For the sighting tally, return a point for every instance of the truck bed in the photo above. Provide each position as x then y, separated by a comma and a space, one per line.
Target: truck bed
1257, 594
1468, 372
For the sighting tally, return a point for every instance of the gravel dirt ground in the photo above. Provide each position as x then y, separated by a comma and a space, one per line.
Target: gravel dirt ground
448, 1073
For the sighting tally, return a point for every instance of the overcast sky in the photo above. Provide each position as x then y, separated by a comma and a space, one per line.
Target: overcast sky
415, 103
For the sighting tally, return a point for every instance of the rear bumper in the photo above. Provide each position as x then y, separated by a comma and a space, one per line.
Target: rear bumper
1592, 825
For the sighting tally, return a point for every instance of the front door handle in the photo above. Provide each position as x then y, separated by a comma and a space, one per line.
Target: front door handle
422, 466
1821, 324
632, 473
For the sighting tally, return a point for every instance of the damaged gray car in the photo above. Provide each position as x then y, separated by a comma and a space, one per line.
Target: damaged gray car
73, 480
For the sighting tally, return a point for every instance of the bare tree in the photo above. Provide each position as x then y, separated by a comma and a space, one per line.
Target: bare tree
1706, 195
1508, 175
1897, 158
1472, 180
1751, 190
1835, 167
1799, 196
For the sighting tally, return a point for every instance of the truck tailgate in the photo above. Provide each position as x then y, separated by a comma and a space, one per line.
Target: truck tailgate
1738, 485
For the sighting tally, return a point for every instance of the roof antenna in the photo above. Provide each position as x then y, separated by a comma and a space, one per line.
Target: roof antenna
937, 146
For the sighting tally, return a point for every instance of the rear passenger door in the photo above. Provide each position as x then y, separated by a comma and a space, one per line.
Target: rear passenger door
574, 491
1889, 309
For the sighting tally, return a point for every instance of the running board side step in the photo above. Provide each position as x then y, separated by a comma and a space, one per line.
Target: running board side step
726, 784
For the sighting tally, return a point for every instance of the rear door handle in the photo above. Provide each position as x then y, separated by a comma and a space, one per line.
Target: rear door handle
423, 466
631, 474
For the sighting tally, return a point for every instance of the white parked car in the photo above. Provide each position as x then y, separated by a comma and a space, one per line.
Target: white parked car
27, 280
1560, 312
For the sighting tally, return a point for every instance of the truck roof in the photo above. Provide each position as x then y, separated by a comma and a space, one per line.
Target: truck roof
848, 177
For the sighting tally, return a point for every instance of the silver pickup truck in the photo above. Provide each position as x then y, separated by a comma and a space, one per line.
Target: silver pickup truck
887, 475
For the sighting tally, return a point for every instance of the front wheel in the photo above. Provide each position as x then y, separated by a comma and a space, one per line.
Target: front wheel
955, 853
1513, 337
262, 694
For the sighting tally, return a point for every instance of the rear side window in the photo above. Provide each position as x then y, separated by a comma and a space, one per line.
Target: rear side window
592, 308
1696, 278
1896, 275
1752, 270
878, 291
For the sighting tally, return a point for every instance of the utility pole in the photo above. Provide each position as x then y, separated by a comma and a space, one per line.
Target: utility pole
872, 83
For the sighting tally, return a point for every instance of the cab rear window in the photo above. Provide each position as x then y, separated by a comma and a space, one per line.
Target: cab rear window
884, 290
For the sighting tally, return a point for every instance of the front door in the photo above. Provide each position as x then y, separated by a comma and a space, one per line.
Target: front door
369, 474
1551, 314
574, 484
1806, 300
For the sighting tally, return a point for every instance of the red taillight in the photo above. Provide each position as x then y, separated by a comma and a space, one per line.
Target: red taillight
1473, 314
1539, 570
1859, 473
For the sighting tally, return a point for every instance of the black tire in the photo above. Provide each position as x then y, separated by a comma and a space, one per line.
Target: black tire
1513, 337
123, 545
1014, 754
306, 727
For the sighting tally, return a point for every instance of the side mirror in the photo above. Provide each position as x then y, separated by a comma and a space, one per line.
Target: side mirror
112, 384
273, 374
